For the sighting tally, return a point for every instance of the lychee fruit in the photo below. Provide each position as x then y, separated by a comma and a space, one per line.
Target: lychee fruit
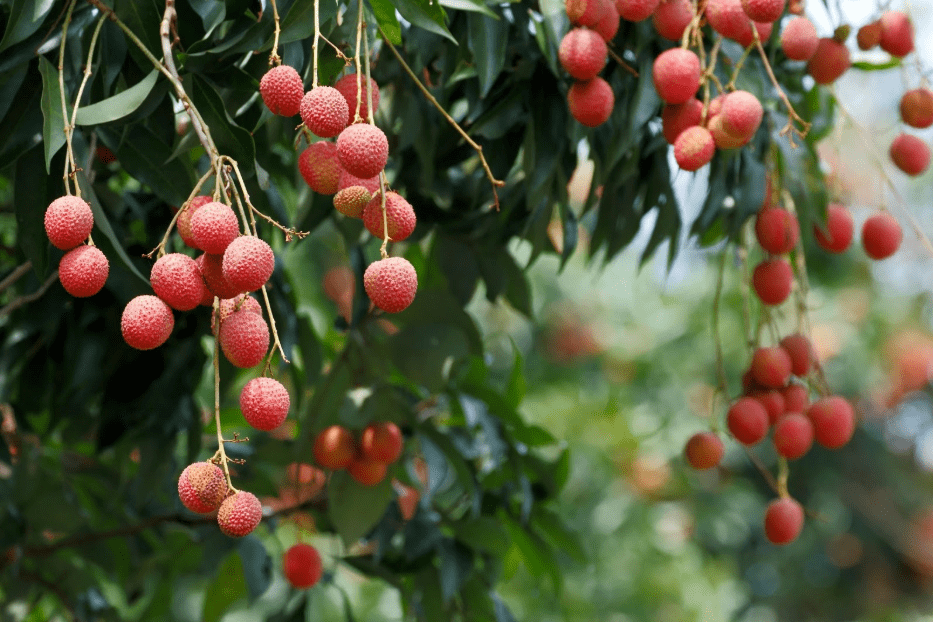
301, 565
837, 234
400, 217
352, 201
324, 111
147, 322
694, 148
869, 35
265, 403
348, 88
184, 219
721, 136
244, 338
833, 421
917, 108
586, 12
636, 10
763, 10
367, 472
229, 306
773, 402
83, 271
897, 34
799, 39
741, 113
391, 283
248, 263
608, 26
334, 448
796, 398
829, 61
202, 487
704, 450
675, 118
777, 230
672, 17
591, 102
282, 90
771, 367
213, 227
177, 280
239, 514
793, 436
320, 167
728, 18
910, 154
211, 267
773, 280
363, 150
582, 53
381, 442
348, 180
783, 521
676, 75
881, 235
800, 351
747, 421
68, 222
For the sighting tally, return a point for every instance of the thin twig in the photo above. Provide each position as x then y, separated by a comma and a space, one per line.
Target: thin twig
624, 65
18, 273
70, 126
220, 437
274, 58
16, 303
317, 35
792, 115
69, 159
160, 249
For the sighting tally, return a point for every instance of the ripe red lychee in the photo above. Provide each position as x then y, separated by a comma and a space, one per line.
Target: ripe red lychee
302, 566
881, 235
796, 398
83, 271
676, 118
799, 39
367, 472
348, 88
910, 154
391, 283
917, 108
282, 90
773, 280
324, 111
582, 53
741, 113
239, 514
672, 17
211, 267
747, 420
777, 230
676, 74
248, 263
265, 403
591, 102
728, 18
763, 10
897, 34
793, 436
348, 180
202, 487
244, 338
229, 306
636, 10
586, 12
400, 217
334, 448
800, 351
363, 150
833, 421
704, 450
772, 400
184, 219
177, 280
213, 227
68, 222
146, 323
608, 26
829, 61
783, 521
837, 234
320, 167
722, 138
771, 367
869, 35
352, 201
694, 148
381, 442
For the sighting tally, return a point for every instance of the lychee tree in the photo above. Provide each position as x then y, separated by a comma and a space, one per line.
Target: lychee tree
344, 179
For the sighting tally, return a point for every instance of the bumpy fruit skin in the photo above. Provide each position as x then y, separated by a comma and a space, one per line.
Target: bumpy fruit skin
202, 487
211, 267
869, 35
704, 450
773, 402
302, 566
213, 227
352, 201
636, 10
83, 271
777, 230
723, 139
799, 39
728, 18
773, 280
694, 148
771, 367
676, 74
177, 280
347, 87
586, 12
671, 18
381, 442
239, 514
400, 217
363, 150
68, 222
324, 111
741, 113
608, 26
147, 322
244, 338
897, 34
917, 108
763, 10
881, 235
910, 154
793, 436
367, 472
783, 521
391, 283
230, 306
675, 118
747, 421
800, 351
248, 263
833, 421
582, 53
348, 180
839, 229
320, 167
591, 102
265, 403
184, 219
830, 61
334, 448
796, 398
282, 90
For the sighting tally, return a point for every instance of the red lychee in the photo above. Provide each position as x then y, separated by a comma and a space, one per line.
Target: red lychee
837, 234
796, 398
147, 322
320, 167
829, 61
747, 421
400, 217
772, 400
367, 472
833, 421
917, 108
777, 230
83, 271
694, 148
741, 113
211, 267
676, 74
722, 138
202, 487
771, 367
334, 448
783, 521
184, 219
301, 565
881, 235
704, 450
363, 150
324, 111
672, 17
763, 10
265, 403
348, 88
636, 10
244, 338
591, 102
391, 283
381, 442
239, 514
282, 90
586, 12
869, 35
229, 306
800, 351
177, 280
68, 222
608, 26
773, 280
897, 34
348, 180
248, 263
793, 436
728, 18
910, 154
582, 53
799, 39
213, 227
675, 118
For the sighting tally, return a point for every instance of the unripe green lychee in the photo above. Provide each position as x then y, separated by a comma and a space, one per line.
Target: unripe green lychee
676, 74
334, 448
672, 17
282, 90
836, 236
184, 219
910, 154
348, 88
265, 403
829, 61
799, 39
211, 267
636, 10
202, 487
741, 114
244, 338
229, 306
239, 514
213, 227
177, 280
324, 111
582, 53
301, 565
591, 102
881, 235
694, 148
399, 216
352, 201
917, 108
764, 10
897, 34
320, 167
363, 150
391, 283
68, 222
147, 322
83, 271
248, 263
675, 118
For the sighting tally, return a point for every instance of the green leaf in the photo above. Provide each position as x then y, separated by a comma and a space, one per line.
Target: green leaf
146, 157
230, 138
426, 14
488, 39
53, 126
866, 66
227, 588
298, 23
469, 5
426, 353
212, 13
483, 533
456, 567
515, 390
118, 106
353, 508
26, 16
143, 18
31, 187
257, 565
384, 11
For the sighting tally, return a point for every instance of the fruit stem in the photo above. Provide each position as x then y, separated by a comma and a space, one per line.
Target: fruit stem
745, 291
792, 115
692, 28
220, 436
709, 74
274, 58
317, 36
717, 337
289, 233
385, 218
624, 65
70, 127
783, 474
61, 89
765, 473
359, 74
160, 249
16, 303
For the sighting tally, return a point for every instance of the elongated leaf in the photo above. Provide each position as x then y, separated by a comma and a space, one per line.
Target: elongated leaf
469, 5
231, 139
425, 14
31, 197
385, 17
229, 586
354, 509
53, 126
120, 105
25, 18
488, 41
145, 157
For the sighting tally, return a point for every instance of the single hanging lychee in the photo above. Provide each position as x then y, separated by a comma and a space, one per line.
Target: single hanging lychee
591, 102
83, 271
320, 167
147, 322
391, 283
324, 111
282, 90
363, 150
68, 222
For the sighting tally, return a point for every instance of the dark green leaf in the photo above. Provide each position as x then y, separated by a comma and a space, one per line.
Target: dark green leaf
227, 588
118, 106
26, 17
384, 11
487, 42
257, 565
32, 189
456, 566
353, 508
230, 138
426, 14
53, 127
146, 157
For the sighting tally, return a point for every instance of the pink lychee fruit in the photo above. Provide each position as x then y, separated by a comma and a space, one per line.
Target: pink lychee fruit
282, 90
694, 148
248, 263
68, 222
391, 283
202, 487
586, 12
591, 102
213, 227
636, 10
881, 235
829, 61
244, 338
910, 154
608, 26
320, 167
773, 280
869, 35
799, 39
675, 118
917, 108
399, 216
231, 305
211, 267
83, 271
897, 34
582, 53
265, 403
177, 280
777, 230
324, 111
147, 322
741, 114
184, 219
672, 17
348, 88
836, 236
239, 514
676, 75
363, 150
763, 10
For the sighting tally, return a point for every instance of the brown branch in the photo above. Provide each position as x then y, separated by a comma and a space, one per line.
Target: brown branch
16, 303
622, 63
16, 275
792, 115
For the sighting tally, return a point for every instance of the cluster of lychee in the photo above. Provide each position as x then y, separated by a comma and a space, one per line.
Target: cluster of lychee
350, 168
203, 488
83, 268
366, 459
